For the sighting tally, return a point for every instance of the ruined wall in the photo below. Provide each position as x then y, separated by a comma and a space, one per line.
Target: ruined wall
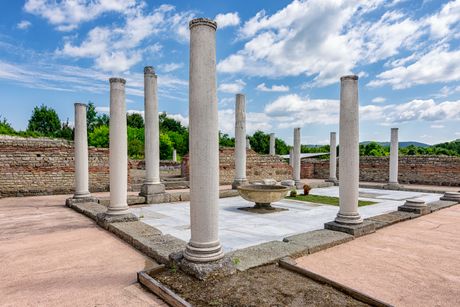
431, 170
257, 166
41, 166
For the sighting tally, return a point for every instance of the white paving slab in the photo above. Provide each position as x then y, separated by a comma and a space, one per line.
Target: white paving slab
239, 229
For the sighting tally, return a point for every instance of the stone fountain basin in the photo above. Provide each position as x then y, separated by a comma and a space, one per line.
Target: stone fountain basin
263, 195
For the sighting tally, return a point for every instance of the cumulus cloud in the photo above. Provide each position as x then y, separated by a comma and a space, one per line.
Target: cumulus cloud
379, 99
414, 110
233, 88
24, 24
274, 88
67, 15
170, 66
227, 20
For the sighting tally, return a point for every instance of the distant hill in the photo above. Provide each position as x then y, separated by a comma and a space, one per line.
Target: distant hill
401, 144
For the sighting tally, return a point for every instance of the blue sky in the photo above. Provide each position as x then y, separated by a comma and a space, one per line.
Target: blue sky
286, 56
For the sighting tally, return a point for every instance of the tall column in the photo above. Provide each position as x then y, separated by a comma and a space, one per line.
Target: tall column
296, 156
291, 156
204, 244
272, 150
174, 157
240, 141
81, 153
248, 144
349, 151
152, 184
394, 147
333, 158
118, 154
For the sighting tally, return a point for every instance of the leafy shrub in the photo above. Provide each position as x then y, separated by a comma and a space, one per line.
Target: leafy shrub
293, 193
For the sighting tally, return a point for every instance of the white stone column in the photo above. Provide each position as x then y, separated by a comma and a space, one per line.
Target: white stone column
333, 158
272, 150
118, 155
248, 144
240, 141
204, 244
152, 184
296, 158
174, 157
81, 153
291, 156
394, 147
349, 151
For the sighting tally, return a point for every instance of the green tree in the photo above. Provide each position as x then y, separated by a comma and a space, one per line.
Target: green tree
44, 120
281, 147
91, 117
179, 141
166, 147
225, 140
66, 132
6, 128
102, 120
99, 137
260, 142
170, 124
135, 120
136, 143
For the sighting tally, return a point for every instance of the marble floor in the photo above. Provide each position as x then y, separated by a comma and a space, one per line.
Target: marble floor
239, 229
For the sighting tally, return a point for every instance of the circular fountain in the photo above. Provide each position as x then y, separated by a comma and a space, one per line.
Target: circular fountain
263, 195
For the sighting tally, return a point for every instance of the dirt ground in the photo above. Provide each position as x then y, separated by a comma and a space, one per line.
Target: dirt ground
263, 286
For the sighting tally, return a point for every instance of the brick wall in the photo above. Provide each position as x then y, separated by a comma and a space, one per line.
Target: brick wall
431, 170
41, 166
257, 166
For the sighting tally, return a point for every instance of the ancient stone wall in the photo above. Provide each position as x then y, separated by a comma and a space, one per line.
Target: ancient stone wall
41, 166
431, 170
257, 166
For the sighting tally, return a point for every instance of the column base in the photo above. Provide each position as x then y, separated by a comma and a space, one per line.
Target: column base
333, 180
393, 186
82, 194
196, 252
71, 201
202, 271
451, 196
237, 182
417, 206
105, 218
357, 230
151, 188
348, 219
298, 184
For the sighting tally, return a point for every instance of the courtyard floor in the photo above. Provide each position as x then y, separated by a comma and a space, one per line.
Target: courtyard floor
414, 263
53, 256
239, 229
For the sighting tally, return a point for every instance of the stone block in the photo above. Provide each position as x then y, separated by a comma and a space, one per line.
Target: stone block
417, 210
356, 230
391, 218
104, 220
128, 231
159, 247
91, 210
149, 189
317, 240
204, 270
441, 204
451, 196
264, 253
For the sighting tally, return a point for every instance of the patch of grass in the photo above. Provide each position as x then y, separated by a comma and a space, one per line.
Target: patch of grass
327, 200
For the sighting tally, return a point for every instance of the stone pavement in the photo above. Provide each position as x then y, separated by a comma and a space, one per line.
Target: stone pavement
415, 263
240, 229
51, 255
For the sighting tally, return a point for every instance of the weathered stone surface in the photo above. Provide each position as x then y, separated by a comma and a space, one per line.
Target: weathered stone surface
317, 240
132, 200
451, 196
357, 230
203, 271
90, 209
159, 247
441, 204
261, 254
104, 220
416, 210
129, 231
391, 218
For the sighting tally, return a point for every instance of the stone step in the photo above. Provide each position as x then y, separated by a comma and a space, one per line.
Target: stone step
171, 185
173, 179
132, 200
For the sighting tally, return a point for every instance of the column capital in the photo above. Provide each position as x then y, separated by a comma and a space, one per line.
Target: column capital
349, 77
149, 70
202, 22
117, 80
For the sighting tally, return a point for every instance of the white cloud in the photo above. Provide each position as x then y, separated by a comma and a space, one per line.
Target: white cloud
233, 88
274, 88
66, 15
170, 67
227, 20
448, 17
295, 111
379, 99
414, 110
180, 118
438, 65
437, 126
24, 24
447, 91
